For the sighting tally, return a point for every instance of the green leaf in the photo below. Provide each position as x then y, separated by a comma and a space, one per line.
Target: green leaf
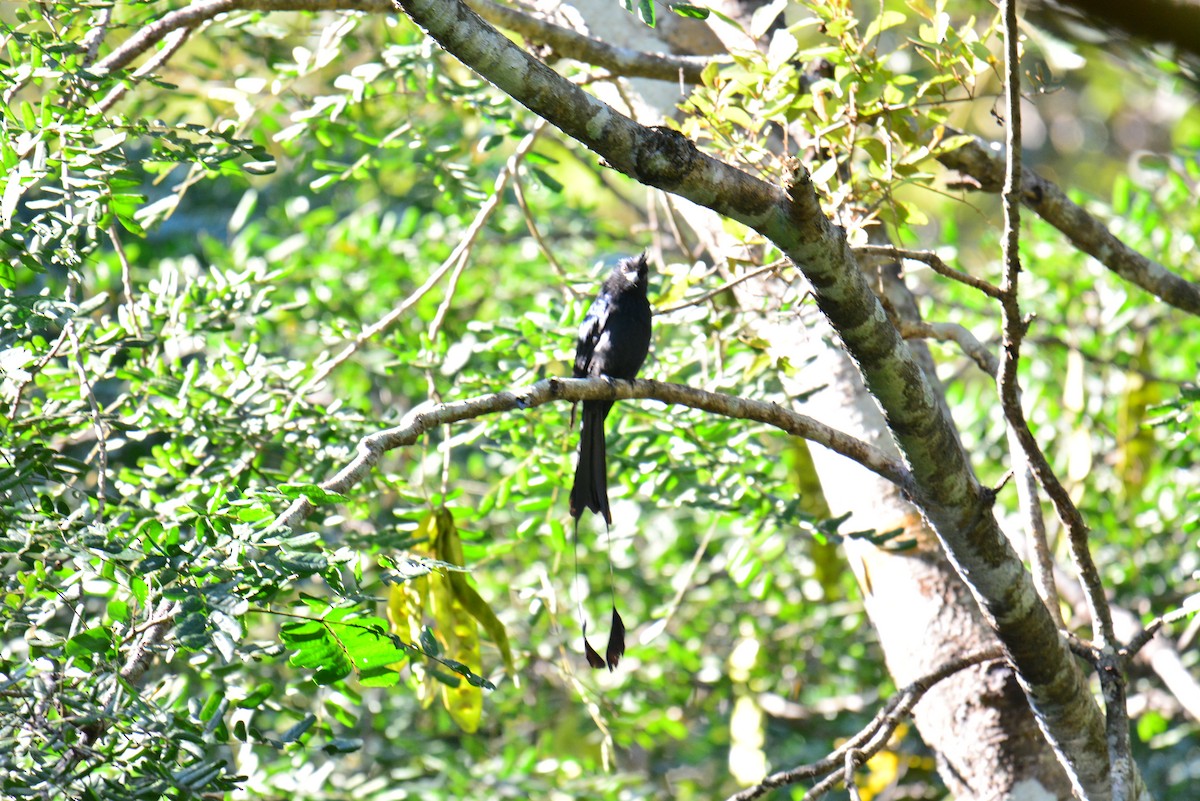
94, 641
886, 20
342, 745
312, 492
254, 700
297, 731
546, 180
690, 11
646, 12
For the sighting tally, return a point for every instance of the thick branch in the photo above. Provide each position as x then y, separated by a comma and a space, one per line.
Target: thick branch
564, 41
946, 490
1085, 231
428, 416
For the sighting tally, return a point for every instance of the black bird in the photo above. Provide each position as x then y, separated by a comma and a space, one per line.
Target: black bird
613, 342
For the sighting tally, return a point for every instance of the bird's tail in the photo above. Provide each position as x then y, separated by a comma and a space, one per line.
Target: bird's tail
590, 490
616, 634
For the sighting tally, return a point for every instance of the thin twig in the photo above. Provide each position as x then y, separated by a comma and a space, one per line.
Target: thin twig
174, 41
1013, 332
852, 761
871, 739
685, 584
126, 277
523, 204
98, 426
1112, 682
707, 296
935, 263
531, 224
1139, 641
37, 367
959, 335
668, 201
1038, 545
451, 287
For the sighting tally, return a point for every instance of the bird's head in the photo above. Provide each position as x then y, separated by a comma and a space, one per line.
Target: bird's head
634, 269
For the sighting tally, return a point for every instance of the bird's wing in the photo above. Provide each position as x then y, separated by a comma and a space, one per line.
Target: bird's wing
590, 332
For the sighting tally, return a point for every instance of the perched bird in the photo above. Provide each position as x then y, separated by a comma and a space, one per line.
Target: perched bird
613, 342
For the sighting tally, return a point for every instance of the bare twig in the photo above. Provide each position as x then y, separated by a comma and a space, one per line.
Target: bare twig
98, 426
126, 277
853, 759
621, 61
456, 259
707, 296
174, 41
935, 263
36, 368
1139, 641
430, 415
672, 216
1037, 546
451, 287
531, 225
959, 335
871, 739
1112, 681
684, 585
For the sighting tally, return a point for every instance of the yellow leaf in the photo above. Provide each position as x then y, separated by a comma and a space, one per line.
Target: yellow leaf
483, 613
456, 627
460, 638
450, 550
407, 602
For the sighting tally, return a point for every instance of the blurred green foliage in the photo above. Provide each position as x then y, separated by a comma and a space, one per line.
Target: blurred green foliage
182, 267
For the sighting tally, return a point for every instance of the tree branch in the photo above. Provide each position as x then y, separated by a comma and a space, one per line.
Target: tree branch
564, 41
1085, 231
959, 335
871, 739
577, 47
1123, 779
1014, 332
430, 415
935, 263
